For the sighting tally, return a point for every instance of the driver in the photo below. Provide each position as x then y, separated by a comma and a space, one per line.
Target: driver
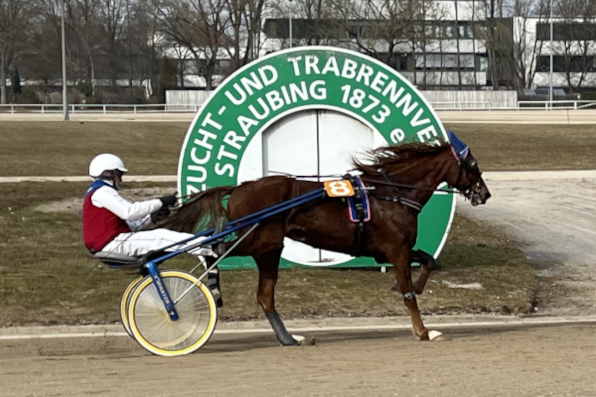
113, 224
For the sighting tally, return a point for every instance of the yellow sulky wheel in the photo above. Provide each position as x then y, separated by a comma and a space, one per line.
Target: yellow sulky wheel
125, 301
153, 328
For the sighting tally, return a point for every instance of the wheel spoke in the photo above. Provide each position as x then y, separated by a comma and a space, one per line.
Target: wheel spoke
157, 332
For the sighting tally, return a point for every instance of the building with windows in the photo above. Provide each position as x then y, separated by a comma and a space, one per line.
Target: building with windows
444, 50
453, 46
573, 50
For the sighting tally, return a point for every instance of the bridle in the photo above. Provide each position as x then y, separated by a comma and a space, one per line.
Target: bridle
466, 162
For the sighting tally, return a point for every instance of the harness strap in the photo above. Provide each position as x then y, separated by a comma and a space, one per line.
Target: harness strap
361, 214
410, 203
397, 199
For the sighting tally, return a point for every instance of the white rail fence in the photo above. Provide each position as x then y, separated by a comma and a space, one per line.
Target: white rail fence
99, 109
186, 108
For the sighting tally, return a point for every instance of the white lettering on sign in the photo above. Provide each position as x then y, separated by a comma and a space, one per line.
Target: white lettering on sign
311, 64
261, 99
397, 135
302, 79
204, 141
295, 61
426, 134
357, 98
331, 66
361, 73
267, 75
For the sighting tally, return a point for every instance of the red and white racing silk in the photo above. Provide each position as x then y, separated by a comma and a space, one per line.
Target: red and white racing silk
113, 224
106, 215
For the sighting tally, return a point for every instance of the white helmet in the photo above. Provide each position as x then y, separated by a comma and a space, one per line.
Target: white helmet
105, 162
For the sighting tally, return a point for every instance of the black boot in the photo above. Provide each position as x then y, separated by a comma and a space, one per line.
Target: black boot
220, 225
213, 284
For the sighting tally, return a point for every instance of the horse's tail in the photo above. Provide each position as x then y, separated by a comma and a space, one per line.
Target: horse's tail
200, 212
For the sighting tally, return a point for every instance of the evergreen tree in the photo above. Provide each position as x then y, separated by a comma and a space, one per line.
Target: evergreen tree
16, 82
166, 79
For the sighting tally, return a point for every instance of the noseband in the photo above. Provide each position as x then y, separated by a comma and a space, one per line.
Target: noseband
467, 164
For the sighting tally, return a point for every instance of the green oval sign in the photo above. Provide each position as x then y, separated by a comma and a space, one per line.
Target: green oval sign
303, 78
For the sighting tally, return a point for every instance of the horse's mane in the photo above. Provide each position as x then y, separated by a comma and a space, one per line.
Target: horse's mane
392, 157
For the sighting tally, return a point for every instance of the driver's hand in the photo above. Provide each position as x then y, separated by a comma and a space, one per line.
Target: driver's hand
168, 201
160, 215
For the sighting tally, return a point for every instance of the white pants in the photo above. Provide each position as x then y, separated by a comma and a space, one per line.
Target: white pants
139, 243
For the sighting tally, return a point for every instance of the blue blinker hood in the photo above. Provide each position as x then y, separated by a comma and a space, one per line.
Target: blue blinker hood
460, 148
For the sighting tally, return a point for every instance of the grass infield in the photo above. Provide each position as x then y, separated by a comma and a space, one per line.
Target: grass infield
65, 148
48, 277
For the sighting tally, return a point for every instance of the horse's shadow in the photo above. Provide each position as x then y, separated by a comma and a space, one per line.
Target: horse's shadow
240, 343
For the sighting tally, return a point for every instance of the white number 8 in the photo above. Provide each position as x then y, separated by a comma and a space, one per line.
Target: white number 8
339, 188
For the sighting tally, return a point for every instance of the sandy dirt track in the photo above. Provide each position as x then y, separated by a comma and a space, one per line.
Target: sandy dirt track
584, 116
553, 214
536, 361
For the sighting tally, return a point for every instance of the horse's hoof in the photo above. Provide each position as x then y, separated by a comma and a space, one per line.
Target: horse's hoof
302, 341
435, 336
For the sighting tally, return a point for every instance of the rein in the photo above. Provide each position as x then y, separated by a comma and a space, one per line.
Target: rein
398, 199
390, 183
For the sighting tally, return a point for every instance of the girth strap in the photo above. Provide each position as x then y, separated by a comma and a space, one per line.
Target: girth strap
362, 213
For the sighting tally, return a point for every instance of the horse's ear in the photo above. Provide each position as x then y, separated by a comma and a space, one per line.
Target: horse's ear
460, 148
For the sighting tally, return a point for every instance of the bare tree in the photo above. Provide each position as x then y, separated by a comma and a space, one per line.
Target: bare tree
145, 50
246, 20
15, 19
84, 21
526, 47
385, 28
498, 38
576, 30
199, 25
457, 44
377, 28
113, 18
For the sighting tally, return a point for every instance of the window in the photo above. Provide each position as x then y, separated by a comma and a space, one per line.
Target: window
567, 31
428, 30
450, 61
449, 32
570, 63
465, 32
466, 61
401, 61
480, 31
445, 61
483, 64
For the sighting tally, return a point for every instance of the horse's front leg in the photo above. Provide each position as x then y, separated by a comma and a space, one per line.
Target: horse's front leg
427, 264
268, 264
403, 272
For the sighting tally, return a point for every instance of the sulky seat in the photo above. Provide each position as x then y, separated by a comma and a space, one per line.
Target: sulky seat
120, 261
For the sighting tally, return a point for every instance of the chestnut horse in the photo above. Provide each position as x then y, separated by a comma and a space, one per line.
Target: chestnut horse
403, 177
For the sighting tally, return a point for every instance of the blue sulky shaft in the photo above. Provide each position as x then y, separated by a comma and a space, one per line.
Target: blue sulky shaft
243, 222
232, 227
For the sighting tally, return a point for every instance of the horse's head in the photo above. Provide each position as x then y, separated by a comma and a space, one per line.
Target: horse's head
469, 177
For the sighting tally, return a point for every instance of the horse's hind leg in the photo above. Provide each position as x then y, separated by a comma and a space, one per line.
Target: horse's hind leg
268, 272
